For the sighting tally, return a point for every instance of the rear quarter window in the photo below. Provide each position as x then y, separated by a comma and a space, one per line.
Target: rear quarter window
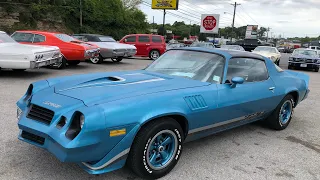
39, 38
156, 39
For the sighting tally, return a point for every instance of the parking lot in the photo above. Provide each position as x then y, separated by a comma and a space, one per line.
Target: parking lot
248, 152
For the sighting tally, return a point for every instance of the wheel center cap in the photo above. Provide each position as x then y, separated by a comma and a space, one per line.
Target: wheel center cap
160, 148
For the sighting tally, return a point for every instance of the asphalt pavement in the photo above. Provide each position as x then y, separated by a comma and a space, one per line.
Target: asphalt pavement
248, 152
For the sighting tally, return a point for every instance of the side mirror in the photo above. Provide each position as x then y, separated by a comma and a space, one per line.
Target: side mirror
235, 81
125, 40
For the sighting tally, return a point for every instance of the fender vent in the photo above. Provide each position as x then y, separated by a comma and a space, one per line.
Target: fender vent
195, 102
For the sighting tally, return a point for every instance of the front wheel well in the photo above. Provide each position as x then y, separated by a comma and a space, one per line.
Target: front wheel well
295, 95
183, 122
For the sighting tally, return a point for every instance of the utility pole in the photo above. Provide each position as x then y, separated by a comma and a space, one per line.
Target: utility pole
190, 30
80, 13
268, 29
164, 20
153, 25
234, 14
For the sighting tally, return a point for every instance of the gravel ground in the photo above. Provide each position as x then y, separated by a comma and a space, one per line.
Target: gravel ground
247, 152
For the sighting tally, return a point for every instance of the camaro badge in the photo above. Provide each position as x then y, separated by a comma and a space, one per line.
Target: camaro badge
117, 132
52, 104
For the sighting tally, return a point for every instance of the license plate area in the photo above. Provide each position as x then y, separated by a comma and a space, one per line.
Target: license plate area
303, 65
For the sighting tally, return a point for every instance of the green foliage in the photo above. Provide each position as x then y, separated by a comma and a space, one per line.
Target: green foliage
108, 17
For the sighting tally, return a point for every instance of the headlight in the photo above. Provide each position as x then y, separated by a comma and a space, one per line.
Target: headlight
81, 121
318, 61
76, 125
290, 58
19, 112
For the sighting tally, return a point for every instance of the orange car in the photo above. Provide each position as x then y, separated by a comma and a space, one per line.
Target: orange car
73, 50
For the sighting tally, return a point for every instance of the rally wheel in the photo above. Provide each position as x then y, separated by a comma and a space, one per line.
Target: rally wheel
96, 60
281, 116
156, 148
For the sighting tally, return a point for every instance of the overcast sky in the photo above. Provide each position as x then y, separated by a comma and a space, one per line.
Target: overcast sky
286, 17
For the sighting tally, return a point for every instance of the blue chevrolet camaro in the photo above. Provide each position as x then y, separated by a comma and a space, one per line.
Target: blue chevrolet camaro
103, 121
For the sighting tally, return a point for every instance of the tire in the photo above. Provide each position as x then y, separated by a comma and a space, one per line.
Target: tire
145, 141
154, 54
96, 60
73, 63
19, 70
118, 59
278, 62
316, 70
289, 67
281, 116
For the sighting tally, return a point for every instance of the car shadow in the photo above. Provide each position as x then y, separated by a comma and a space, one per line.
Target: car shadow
23, 74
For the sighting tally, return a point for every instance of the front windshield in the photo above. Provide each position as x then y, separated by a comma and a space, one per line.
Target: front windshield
304, 52
65, 38
5, 38
198, 45
265, 49
205, 67
106, 39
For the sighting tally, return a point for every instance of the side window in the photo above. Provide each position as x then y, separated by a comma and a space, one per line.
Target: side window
23, 37
313, 47
131, 39
156, 39
144, 39
39, 38
251, 70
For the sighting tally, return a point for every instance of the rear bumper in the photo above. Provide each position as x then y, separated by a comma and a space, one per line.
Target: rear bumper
47, 62
303, 65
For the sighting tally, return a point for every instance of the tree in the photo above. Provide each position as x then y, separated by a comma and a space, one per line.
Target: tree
128, 4
161, 30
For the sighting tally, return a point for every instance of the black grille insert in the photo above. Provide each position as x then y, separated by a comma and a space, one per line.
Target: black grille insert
32, 137
40, 114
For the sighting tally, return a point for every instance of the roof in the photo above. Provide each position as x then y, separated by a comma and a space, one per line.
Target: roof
97, 35
223, 52
39, 32
143, 34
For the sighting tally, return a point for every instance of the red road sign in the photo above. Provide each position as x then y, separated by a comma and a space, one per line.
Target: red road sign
209, 23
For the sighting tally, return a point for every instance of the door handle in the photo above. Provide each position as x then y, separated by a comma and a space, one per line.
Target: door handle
271, 88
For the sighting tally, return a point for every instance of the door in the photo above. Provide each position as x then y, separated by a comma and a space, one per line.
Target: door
251, 100
143, 45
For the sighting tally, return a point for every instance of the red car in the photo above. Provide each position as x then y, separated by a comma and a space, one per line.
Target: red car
73, 50
148, 45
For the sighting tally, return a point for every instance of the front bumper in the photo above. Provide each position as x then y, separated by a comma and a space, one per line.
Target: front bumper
107, 53
303, 65
47, 62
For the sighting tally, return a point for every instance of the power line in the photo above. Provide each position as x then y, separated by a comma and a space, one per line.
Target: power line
249, 15
234, 14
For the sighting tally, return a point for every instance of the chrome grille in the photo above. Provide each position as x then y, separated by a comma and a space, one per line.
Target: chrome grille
40, 114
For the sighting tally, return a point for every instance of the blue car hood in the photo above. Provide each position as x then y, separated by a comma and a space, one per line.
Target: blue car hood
105, 87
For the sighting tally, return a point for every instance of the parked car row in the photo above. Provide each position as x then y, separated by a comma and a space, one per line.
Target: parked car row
71, 50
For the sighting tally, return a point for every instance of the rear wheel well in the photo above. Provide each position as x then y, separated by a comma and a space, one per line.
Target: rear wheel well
183, 122
295, 97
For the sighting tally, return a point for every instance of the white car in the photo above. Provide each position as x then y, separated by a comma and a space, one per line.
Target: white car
109, 48
20, 57
269, 52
